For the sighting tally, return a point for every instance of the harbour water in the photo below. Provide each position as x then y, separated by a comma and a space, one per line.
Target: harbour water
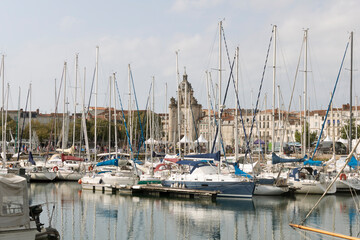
86, 215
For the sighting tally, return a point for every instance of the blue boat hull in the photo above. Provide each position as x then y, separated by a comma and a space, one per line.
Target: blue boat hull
226, 189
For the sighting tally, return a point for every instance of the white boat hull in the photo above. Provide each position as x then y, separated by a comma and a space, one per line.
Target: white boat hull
69, 176
22, 234
312, 187
42, 176
269, 190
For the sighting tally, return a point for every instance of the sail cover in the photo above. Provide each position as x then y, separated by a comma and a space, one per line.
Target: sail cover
276, 159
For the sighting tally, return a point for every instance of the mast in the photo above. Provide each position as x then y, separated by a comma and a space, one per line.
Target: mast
186, 117
115, 117
208, 103
305, 91
351, 78
96, 98
75, 96
17, 123
300, 115
333, 130
129, 113
2, 109
236, 105
178, 101
273, 99
166, 120
84, 117
63, 123
220, 75
109, 115
6, 111
30, 135
279, 121
152, 128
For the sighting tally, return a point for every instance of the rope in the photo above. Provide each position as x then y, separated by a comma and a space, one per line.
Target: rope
331, 99
127, 132
222, 110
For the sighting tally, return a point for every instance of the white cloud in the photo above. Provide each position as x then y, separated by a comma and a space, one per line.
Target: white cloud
184, 5
68, 23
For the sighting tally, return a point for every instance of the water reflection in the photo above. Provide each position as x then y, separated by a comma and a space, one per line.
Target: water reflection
86, 215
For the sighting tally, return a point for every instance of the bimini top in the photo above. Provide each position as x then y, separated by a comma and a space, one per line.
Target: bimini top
212, 156
195, 164
14, 202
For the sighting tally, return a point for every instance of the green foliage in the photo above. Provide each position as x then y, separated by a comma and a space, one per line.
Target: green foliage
346, 128
298, 136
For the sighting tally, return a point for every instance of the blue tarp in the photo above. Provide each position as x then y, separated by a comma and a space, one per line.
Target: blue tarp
215, 156
239, 172
313, 163
353, 162
112, 162
276, 159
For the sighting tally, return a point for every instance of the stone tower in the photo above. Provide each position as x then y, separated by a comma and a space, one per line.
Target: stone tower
190, 113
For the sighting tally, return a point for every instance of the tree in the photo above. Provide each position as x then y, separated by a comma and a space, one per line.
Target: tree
299, 136
345, 130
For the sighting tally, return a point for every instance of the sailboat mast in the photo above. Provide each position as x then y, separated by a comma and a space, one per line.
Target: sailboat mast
236, 107
178, 101
279, 120
109, 115
220, 75
96, 98
130, 113
305, 91
2, 108
30, 135
166, 120
17, 124
115, 118
63, 123
186, 118
75, 96
273, 99
152, 127
351, 78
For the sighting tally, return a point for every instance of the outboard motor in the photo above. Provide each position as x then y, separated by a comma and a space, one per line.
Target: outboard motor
35, 215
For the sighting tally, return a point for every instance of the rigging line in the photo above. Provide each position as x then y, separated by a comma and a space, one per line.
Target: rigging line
222, 110
284, 60
91, 92
137, 106
294, 84
312, 74
23, 126
332, 95
127, 132
55, 115
236, 92
142, 140
260, 87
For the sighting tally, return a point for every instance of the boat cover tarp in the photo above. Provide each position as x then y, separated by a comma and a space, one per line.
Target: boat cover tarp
276, 159
215, 156
72, 158
313, 162
112, 162
14, 202
354, 163
239, 172
31, 159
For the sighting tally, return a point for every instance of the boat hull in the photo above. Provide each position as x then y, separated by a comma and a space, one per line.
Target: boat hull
234, 189
22, 234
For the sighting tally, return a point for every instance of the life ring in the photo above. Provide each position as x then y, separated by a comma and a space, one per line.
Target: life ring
343, 176
90, 168
55, 169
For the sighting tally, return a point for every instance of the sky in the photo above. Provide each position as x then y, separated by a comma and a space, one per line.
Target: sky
38, 36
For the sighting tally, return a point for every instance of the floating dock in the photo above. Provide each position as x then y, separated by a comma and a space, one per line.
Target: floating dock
155, 190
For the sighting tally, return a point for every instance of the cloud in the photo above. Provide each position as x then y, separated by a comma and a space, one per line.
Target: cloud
184, 5
69, 23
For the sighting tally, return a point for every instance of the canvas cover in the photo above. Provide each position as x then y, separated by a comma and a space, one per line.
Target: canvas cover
14, 202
